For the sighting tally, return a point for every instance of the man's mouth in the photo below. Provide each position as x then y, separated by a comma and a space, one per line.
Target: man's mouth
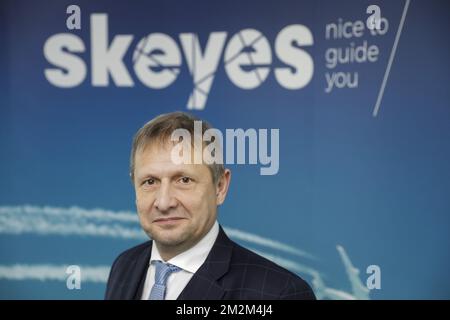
168, 220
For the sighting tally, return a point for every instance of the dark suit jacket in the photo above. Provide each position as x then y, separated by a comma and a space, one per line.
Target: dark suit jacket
229, 272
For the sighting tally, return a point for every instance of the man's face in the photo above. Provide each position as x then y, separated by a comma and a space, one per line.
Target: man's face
177, 204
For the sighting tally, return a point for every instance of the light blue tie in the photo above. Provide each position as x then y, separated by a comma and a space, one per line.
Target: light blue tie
163, 271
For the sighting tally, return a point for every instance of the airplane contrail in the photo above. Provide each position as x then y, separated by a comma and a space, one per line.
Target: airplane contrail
104, 223
99, 222
46, 272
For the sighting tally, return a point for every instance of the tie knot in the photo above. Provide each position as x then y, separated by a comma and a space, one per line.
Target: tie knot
163, 271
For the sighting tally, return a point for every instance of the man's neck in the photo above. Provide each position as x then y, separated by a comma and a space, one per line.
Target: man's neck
168, 252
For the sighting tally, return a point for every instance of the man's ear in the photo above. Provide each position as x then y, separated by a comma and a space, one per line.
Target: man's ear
222, 187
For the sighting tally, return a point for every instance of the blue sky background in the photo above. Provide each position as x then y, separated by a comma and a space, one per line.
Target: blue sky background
377, 186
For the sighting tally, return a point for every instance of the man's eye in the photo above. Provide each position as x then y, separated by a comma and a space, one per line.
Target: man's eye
185, 180
149, 182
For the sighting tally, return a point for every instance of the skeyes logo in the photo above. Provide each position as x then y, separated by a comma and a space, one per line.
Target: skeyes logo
157, 59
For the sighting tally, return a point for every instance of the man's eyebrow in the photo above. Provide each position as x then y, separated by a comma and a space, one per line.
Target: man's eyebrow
176, 173
144, 177
180, 173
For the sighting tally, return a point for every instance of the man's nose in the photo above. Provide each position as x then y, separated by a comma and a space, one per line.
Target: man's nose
165, 199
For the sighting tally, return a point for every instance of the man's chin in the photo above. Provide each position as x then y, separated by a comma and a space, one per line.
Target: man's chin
169, 238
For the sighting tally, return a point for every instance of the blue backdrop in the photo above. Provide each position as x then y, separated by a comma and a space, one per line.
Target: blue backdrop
364, 174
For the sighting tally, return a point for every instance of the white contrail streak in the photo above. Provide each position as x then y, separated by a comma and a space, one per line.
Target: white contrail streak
45, 272
253, 238
103, 223
71, 221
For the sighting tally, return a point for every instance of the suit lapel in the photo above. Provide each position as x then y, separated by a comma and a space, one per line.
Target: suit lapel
203, 284
135, 279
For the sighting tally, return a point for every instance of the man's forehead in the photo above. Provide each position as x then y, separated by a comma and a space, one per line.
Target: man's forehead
155, 158
162, 149
155, 145
158, 156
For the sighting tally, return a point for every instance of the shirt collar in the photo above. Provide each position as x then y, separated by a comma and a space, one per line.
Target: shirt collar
191, 259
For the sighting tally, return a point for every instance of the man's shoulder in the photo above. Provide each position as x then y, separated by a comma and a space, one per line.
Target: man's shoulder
256, 262
260, 271
126, 271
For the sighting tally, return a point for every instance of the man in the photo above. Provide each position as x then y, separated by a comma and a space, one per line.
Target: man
190, 256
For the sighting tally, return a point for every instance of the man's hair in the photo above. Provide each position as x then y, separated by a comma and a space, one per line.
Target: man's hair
160, 130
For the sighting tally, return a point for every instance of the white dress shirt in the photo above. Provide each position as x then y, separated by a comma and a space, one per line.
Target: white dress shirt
189, 261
